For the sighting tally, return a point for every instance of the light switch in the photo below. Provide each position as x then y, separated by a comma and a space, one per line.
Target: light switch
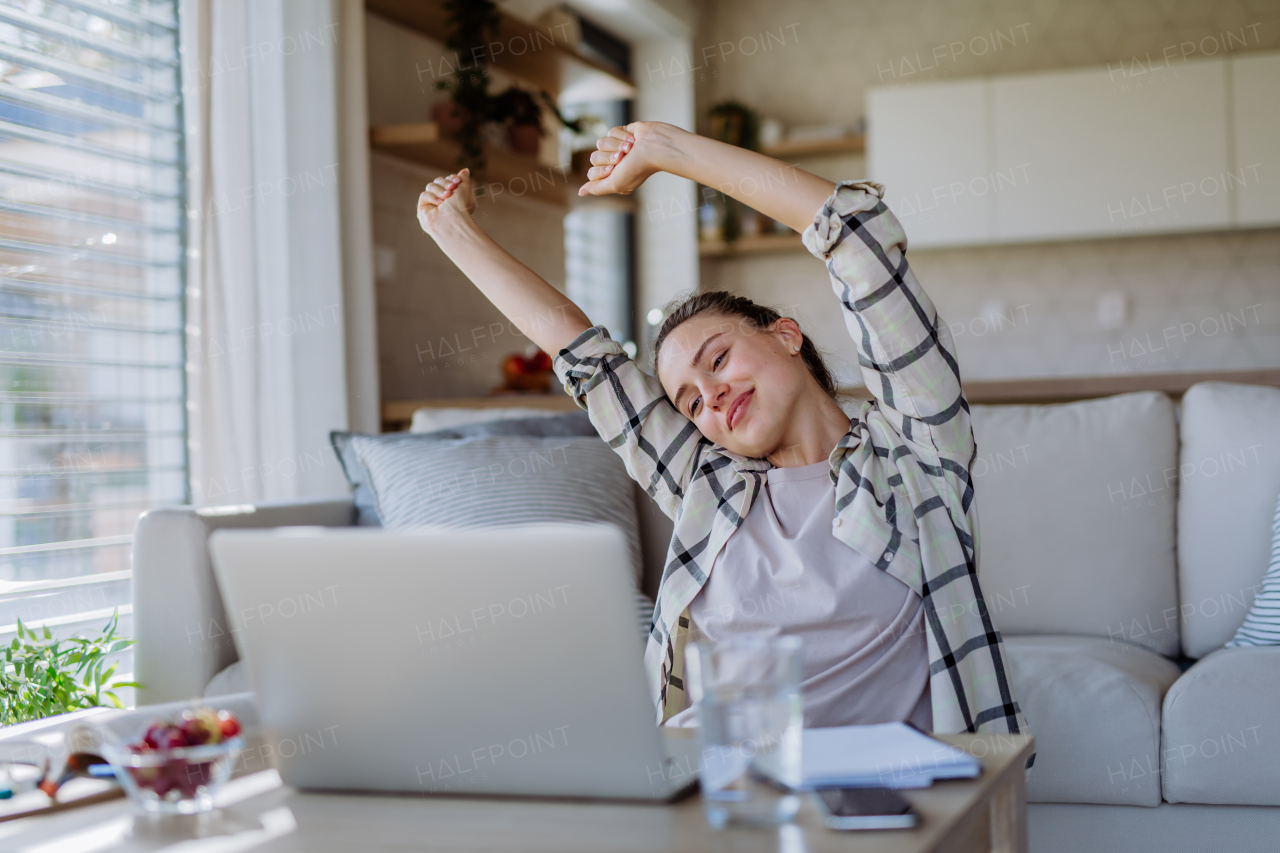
1113, 309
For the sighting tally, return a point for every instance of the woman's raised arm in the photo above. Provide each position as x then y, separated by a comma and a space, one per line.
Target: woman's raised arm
549, 318
625, 158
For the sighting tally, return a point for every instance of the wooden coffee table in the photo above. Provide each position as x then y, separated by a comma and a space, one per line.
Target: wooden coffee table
260, 814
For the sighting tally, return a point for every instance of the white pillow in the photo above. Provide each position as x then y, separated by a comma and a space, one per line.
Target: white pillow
1262, 626
1073, 541
430, 420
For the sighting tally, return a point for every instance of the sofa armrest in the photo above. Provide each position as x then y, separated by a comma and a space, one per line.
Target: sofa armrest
178, 618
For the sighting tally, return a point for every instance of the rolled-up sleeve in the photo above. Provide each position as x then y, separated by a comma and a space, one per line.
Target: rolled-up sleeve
632, 414
905, 351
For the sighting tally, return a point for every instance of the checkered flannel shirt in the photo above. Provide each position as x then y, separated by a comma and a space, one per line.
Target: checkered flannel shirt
902, 474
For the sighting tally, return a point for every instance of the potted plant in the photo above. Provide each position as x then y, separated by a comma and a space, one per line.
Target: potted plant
523, 116
737, 124
41, 676
474, 24
471, 106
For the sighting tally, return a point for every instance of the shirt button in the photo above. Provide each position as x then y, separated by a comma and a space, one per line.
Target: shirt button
837, 522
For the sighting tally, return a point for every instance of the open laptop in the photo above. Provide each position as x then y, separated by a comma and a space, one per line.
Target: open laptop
495, 661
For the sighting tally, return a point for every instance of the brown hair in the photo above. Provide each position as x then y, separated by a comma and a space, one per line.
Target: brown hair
726, 304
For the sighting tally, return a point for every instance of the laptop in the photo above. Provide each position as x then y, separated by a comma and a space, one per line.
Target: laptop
499, 661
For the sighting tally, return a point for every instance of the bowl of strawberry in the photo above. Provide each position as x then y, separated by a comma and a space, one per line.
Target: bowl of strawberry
176, 766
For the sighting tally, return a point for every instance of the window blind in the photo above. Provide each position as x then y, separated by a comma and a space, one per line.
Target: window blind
92, 385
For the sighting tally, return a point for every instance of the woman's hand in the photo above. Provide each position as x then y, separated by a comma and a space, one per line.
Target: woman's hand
626, 158
446, 201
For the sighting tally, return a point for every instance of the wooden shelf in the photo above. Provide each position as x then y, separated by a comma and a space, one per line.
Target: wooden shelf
763, 244
816, 147
397, 414
535, 55
521, 175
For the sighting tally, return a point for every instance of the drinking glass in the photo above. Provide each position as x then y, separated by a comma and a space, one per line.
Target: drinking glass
747, 693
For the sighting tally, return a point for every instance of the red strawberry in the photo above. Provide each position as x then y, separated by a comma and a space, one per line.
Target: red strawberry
230, 725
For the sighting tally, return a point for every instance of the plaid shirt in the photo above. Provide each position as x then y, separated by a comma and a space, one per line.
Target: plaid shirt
904, 492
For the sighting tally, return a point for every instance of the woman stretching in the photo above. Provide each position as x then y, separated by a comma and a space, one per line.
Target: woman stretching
858, 534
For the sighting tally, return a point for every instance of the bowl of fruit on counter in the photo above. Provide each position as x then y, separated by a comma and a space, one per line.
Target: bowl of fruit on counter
176, 766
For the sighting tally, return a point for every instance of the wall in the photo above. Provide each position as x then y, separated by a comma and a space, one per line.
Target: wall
438, 336
666, 248
1194, 302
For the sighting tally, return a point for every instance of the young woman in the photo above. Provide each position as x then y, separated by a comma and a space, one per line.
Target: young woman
857, 533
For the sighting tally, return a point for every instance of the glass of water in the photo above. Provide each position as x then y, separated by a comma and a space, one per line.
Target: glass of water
747, 693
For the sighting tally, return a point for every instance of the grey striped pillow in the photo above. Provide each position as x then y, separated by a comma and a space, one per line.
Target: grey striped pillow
1262, 626
500, 481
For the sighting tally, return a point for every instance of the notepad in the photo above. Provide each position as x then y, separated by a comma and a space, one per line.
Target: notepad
887, 755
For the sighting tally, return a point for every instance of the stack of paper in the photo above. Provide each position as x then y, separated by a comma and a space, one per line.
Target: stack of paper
888, 755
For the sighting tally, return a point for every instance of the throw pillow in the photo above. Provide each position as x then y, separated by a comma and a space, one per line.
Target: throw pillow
497, 481
571, 424
1262, 626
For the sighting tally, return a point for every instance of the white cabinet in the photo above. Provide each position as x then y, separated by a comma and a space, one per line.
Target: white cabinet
927, 145
1104, 159
1081, 153
1255, 103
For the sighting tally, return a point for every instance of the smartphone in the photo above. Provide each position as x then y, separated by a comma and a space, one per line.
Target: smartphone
864, 808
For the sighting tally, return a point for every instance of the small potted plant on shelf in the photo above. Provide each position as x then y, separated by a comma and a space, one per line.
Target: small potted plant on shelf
523, 116
473, 24
471, 109
737, 124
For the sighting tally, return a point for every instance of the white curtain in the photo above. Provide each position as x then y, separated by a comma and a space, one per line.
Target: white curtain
265, 309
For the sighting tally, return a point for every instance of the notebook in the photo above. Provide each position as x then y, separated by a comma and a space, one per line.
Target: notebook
887, 755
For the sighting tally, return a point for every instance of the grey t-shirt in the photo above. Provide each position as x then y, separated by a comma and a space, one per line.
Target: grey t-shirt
783, 573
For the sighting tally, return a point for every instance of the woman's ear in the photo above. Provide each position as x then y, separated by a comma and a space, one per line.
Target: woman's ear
789, 333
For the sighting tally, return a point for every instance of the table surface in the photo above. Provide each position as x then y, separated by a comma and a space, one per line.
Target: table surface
259, 813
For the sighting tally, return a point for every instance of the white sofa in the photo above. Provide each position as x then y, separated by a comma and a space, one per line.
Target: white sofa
1120, 549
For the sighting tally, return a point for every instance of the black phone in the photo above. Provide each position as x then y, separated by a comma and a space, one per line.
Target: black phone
864, 808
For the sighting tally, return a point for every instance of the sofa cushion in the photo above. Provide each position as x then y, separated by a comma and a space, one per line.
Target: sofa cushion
1075, 516
1230, 475
1220, 724
233, 679
1094, 708
452, 423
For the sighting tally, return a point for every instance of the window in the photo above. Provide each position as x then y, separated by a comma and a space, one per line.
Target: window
92, 403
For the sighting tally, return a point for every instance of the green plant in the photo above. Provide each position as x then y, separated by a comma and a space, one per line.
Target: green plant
43, 676
517, 106
472, 23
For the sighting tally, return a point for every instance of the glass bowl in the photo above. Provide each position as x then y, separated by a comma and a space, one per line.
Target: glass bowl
182, 780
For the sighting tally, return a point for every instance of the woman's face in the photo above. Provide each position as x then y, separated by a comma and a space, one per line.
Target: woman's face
738, 384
